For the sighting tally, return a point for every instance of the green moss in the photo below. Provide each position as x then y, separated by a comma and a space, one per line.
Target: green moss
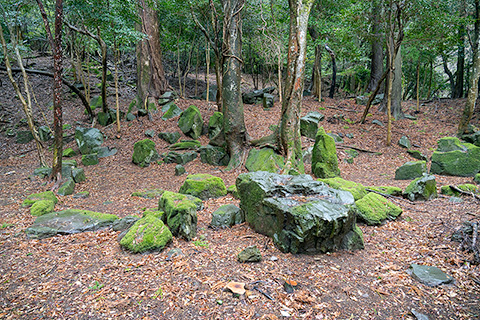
144, 153
393, 191
232, 190
265, 159
180, 214
191, 122
374, 209
68, 152
353, 240
42, 207
450, 144
186, 145
424, 188
31, 199
147, 234
324, 156
411, 170
446, 190
477, 178
155, 213
203, 186
98, 215
358, 191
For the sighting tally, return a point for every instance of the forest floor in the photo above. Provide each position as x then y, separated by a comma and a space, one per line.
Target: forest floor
89, 276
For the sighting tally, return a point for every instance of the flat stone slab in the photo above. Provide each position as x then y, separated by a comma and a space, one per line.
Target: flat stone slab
429, 275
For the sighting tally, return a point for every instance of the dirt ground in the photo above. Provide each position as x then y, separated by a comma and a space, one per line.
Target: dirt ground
89, 276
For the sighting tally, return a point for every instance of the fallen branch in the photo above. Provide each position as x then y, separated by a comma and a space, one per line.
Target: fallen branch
386, 195
342, 146
455, 188
347, 110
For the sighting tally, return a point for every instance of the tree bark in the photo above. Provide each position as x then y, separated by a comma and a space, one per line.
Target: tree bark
376, 67
397, 112
233, 115
334, 72
460, 74
471, 98
289, 130
151, 80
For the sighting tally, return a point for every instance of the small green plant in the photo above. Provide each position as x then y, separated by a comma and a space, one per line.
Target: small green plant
158, 293
321, 108
407, 218
96, 286
6, 225
200, 243
350, 121
346, 127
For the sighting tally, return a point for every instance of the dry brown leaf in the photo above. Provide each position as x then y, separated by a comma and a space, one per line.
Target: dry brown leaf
236, 287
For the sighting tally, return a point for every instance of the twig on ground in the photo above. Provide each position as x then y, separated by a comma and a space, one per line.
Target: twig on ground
342, 146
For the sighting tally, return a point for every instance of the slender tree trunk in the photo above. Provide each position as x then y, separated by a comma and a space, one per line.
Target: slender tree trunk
418, 84
376, 67
334, 72
151, 80
207, 61
234, 123
290, 140
460, 74
396, 104
471, 98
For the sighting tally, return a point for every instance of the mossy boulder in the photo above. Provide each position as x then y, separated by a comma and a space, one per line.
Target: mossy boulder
144, 153
191, 122
309, 124
180, 214
88, 139
227, 216
34, 197
249, 254
393, 191
90, 159
215, 127
170, 137
404, 142
68, 222
455, 159
179, 170
417, 155
147, 234
203, 186
356, 189
423, 188
265, 159
324, 156
179, 158
467, 187
186, 145
170, 110
67, 188
373, 209
411, 170
42, 207
215, 156
68, 153
78, 175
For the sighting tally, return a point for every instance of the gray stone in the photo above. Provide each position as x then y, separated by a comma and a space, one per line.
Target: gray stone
429, 275
268, 100
423, 189
309, 124
150, 133
417, 155
103, 152
418, 315
337, 138
81, 195
67, 187
250, 254
404, 142
24, 137
411, 170
144, 153
179, 170
300, 214
179, 158
191, 122
130, 117
87, 139
68, 222
44, 133
170, 137
215, 156
256, 96
78, 175
216, 133
124, 223
90, 159
226, 216
378, 122
170, 110
473, 138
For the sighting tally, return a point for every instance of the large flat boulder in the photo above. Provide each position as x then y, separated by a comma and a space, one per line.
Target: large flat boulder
455, 158
300, 214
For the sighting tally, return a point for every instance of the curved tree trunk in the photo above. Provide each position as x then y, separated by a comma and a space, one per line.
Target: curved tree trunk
234, 123
151, 80
290, 141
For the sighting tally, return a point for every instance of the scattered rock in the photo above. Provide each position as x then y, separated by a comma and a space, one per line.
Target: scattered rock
179, 170
227, 216
191, 122
429, 275
393, 191
180, 214
268, 100
82, 195
215, 156
176, 252
150, 133
24, 137
179, 158
265, 159
170, 137
203, 186
418, 315
411, 170
417, 155
404, 142
44, 133
309, 124
144, 153
68, 222
378, 123
103, 152
423, 188
467, 187
90, 159
256, 96
250, 254
215, 129
88, 139
336, 137
67, 187
170, 110
124, 223
147, 234
373, 209
324, 156
186, 145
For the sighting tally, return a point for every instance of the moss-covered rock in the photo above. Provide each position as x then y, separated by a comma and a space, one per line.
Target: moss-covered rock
417, 155
147, 234
42, 207
67, 188
356, 189
170, 110
424, 188
404, 142
34, 197
309, 124
467, 187
455, 159
186, 145
180, 214
68, 153
191, 122
393, 191
144, 153
232, 190
324, 156
179, 170
78, 175
215, 156
411, 170
203, 186
88, 139
179, 158
90, 159
226, 216
373, 209
477, 178
215, 125
265, 159
170, 137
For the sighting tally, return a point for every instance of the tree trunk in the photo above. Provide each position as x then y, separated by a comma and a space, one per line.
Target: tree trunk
376, 67
290, 140
234, 123
151, 80
460, 74
471, 98
57, 94
334, 72
397, 112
